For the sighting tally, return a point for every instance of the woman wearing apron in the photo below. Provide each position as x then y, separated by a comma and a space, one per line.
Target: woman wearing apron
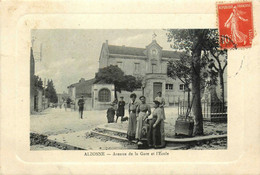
143, 111
132, 117
156, 135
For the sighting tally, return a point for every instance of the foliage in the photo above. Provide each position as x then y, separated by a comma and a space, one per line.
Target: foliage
181, 69
114, 75
197, 66
36, 83
190, 41
50, 92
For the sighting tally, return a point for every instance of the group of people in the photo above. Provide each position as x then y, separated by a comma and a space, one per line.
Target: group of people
144, 126
117, 108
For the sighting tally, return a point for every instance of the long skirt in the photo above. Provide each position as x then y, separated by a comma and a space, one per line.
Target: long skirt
156, 136
139, 125
131, 126
110, 118
120, 112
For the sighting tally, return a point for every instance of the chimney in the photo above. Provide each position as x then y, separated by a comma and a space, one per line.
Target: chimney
82, 80
106, 42
123, 45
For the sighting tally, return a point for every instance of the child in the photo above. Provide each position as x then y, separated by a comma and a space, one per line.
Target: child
111, 114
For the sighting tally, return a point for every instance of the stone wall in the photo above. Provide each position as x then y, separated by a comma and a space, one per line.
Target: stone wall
97, 105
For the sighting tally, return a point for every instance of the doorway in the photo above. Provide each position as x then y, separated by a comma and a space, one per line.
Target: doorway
157, 87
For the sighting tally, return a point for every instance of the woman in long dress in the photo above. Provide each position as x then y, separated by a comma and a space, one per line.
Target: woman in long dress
232, 23
156, 135
132, 117
143, 111
162, 102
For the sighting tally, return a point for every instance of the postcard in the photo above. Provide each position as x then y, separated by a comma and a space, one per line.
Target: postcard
151, 87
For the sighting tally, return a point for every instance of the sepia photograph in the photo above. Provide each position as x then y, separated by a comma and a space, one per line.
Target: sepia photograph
124, 89
129, 87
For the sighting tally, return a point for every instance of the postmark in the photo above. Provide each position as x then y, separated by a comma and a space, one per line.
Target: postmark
235, 25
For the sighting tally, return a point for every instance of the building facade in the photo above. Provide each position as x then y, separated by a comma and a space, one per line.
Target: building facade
148, 63
82, 88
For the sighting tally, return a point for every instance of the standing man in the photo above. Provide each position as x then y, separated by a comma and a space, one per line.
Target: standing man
120, 109
81, 103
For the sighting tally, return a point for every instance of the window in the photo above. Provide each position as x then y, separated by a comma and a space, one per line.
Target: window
153, 68
120, 64
137, 67
169, 86
104, 95
181, 87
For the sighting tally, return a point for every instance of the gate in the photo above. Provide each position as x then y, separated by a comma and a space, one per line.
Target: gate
211, 111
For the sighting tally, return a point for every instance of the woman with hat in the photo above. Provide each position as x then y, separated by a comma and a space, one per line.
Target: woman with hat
120, 109
132, 117
155, 134
143, 111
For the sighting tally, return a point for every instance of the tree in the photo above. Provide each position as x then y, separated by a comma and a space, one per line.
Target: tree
191, 41
36, 83
114, 75
50, 92
211, 47
199, 43
181, 69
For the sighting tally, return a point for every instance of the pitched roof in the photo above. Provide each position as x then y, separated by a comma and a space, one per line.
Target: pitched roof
126, 50
170, 54
123, 50
102, 82
83, 87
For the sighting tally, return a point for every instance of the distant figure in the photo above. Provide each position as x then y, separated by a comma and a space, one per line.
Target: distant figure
71, 106
120, 109
160, 99
132, 117
65, 106
111, 113
81, 103
68, 102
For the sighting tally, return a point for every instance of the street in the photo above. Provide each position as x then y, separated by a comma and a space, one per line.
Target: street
66, 127
55, 121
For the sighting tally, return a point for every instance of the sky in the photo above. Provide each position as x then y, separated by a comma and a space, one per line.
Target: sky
69, 55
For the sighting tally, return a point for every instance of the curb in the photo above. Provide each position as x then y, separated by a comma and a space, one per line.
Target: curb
174, 140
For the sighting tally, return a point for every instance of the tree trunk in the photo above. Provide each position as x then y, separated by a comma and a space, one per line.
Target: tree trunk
196, 107
115, 93
222, 98
188, 97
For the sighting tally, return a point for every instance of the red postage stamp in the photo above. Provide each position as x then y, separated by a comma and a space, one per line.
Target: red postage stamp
235, 24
